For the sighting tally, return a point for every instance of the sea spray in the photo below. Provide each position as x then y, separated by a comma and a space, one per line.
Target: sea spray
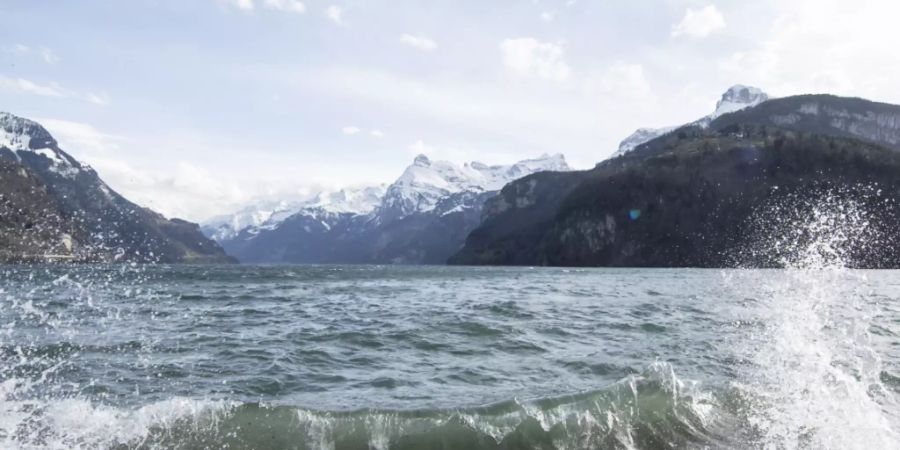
813, 380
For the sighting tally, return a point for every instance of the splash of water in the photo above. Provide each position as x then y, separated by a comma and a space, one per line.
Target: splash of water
813, 381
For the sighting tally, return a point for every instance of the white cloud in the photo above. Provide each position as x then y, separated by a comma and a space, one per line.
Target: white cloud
539, 118
245, 5
179, 189
80, 138
622, 79
289, 6
45, 54
50, 90
547, 16
351, 130
98, 99
420, 42
335, 13
30, 87
48, 56
419, 148
293, 6
824, 46
184, 190
700, 23
530, 57
461, 154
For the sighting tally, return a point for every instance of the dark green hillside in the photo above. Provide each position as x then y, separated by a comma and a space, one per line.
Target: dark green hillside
691, 199
878, 123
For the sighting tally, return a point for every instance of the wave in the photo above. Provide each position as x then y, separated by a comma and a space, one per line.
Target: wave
654, 409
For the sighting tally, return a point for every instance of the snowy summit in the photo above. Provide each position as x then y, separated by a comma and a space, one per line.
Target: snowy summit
736, 98
425, 182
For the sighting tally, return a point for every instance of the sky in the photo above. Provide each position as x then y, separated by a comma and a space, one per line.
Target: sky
198, 107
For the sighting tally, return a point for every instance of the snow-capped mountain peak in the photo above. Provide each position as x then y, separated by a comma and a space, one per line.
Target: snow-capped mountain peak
736, 98
430, 187
354, 201
22, 136
251, 217
425, 181
639, 137
263, 215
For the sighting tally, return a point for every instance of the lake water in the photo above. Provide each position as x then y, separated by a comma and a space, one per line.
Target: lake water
356, 357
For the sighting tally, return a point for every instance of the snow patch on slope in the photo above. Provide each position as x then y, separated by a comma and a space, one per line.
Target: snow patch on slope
736, 98
20, 135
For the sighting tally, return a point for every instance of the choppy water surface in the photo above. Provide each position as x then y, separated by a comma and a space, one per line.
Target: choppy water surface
444, 357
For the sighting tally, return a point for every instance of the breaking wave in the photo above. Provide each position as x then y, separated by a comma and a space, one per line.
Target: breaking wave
651, 410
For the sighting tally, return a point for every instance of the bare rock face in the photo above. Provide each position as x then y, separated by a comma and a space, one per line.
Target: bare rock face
60, 209
31, 228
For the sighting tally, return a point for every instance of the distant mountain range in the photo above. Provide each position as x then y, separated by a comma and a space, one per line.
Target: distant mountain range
421, 218
53, 207
692, 195
670, 197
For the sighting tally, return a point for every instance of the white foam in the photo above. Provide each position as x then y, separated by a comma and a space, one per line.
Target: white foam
815, 378
79, 424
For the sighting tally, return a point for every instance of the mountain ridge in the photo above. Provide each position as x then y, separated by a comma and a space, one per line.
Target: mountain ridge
103, 225
735, 98
682, 199
422, 217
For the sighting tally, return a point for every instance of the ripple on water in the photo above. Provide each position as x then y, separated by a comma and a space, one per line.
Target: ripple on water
653, 328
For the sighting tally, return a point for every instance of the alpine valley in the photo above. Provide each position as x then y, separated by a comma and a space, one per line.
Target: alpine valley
55, 208
422, 218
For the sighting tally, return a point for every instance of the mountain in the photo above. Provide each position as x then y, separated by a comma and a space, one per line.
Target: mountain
698, 195
267, 215
423, 217
55, 207
31, 228
736, 98
856, 118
